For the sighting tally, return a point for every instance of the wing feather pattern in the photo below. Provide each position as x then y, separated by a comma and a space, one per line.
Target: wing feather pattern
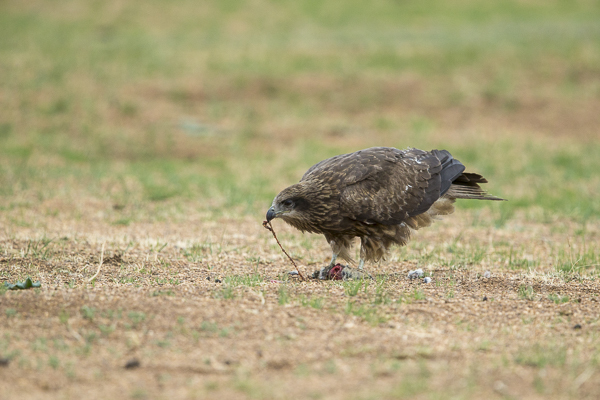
382, 185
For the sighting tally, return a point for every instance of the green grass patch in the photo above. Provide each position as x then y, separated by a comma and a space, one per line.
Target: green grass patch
314, 302
283, 295
149, 113
557, 298
541, 356
244, 280
526, 292
372, 315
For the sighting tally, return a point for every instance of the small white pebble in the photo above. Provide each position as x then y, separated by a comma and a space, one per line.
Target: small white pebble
487, 274
293, 272
427, 280
417, 273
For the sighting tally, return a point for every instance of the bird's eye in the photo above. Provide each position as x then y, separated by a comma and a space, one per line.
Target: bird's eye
287, 203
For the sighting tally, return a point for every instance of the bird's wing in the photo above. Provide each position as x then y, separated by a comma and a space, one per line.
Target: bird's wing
387, 186
348, 169
323, 167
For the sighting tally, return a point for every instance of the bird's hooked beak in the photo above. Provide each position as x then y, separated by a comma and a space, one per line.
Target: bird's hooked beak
271, 214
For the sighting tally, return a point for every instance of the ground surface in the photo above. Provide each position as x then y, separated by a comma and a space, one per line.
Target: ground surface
221, 318
141, 144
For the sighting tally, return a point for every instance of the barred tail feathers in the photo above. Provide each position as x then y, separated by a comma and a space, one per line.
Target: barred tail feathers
466, 186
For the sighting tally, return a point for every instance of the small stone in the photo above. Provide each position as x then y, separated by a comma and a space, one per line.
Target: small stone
417, 273
217, 281
132, 364
293, 273
577, 326
4, 362
484, 298
500, 387
427, 280
487, 274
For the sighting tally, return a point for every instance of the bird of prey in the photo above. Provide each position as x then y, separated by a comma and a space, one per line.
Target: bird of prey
378, 194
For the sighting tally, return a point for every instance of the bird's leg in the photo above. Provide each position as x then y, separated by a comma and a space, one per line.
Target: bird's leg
363, 253
324, 272
336, 249
360, 273
333, 258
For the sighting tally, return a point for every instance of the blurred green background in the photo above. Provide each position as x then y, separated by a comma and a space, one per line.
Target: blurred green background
133, 111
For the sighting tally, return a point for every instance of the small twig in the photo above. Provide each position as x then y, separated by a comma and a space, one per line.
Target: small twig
99, 265
260, 295
75, 334
268, 226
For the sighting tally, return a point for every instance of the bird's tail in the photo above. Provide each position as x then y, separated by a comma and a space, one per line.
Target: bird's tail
451, 169
457, 184
466, 186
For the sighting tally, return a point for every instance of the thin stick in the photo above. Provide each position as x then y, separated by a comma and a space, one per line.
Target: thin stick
268, 226
74, 333
99, 265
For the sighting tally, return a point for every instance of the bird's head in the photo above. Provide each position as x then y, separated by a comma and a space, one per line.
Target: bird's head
308, 205
291, 204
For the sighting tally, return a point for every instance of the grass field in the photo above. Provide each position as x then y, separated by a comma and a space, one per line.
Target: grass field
144, 142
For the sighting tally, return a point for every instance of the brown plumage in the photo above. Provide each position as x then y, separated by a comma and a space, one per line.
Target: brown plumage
378, 194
